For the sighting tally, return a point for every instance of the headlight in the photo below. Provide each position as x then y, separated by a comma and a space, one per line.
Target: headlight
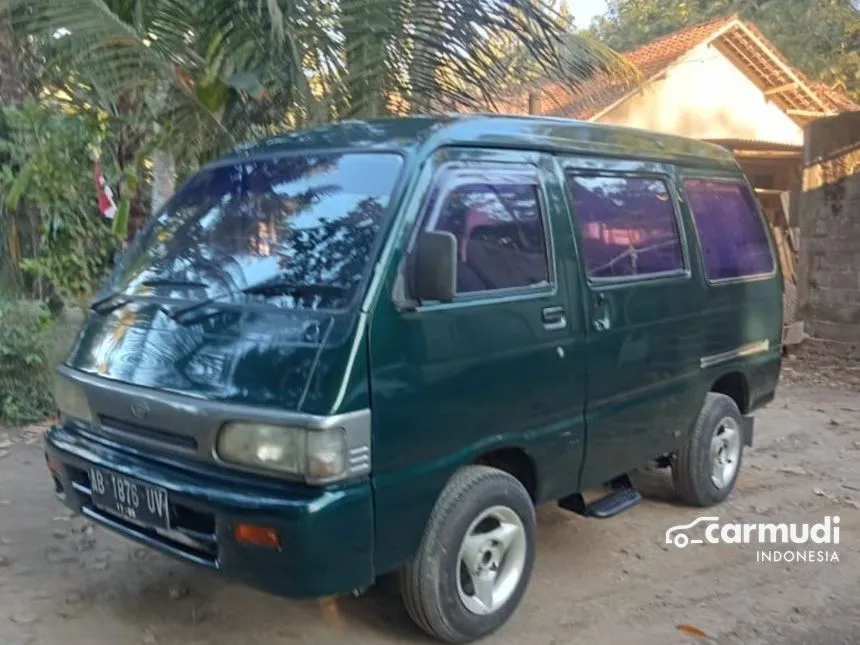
314, 454
71, 400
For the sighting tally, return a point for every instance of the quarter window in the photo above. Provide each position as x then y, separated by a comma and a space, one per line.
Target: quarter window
627, 225
731, 233
500, 231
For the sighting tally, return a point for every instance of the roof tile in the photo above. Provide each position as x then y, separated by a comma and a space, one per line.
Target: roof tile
602, 90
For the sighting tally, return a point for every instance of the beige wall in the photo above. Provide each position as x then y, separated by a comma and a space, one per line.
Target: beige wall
706, 97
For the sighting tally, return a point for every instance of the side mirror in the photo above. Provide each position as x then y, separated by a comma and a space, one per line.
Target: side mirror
436, 266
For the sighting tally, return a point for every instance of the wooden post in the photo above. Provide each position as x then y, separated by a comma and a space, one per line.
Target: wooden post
534, 102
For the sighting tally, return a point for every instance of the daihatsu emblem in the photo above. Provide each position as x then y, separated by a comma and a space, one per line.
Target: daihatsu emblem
139, 409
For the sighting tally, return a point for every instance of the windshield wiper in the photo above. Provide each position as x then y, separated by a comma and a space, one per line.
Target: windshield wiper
164, 282
110, 302
263, 288
291, 288
116, 299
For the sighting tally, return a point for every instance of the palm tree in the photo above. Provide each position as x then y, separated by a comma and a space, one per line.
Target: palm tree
11, 84
215, 72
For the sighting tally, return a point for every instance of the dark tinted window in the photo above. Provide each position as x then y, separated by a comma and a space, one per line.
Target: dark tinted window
731, 233
500, 233
305, 220
627, 224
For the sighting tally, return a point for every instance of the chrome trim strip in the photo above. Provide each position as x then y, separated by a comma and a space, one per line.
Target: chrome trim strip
495, 297
749, 349
357, 343
359, 460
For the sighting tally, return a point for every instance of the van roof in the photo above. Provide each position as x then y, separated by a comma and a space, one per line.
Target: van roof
552, 134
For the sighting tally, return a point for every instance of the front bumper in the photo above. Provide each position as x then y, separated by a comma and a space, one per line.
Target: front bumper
326, 536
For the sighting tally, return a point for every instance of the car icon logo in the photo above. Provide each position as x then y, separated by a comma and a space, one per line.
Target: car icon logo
676, 536
139, 409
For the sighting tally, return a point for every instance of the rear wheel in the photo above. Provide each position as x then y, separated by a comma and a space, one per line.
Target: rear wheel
475, 559
706, 467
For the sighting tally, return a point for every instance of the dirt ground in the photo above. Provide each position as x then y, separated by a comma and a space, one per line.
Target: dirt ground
601, 582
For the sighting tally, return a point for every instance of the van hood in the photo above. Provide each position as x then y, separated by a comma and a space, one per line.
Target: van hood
289, 359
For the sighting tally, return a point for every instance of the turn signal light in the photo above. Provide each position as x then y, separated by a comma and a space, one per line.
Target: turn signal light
258, 535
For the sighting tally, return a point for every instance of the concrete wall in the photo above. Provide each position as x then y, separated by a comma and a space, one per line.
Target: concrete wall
706, 97
829, 272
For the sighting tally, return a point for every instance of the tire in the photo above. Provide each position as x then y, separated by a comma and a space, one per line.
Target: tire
439, 595
699, 479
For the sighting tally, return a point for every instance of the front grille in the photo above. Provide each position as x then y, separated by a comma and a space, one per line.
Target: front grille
126, 432
191, 536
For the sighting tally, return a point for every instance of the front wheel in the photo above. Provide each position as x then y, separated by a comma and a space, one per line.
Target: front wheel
475, 559
707, 465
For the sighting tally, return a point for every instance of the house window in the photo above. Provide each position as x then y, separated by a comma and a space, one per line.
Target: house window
500, 231
627, 225
732, 236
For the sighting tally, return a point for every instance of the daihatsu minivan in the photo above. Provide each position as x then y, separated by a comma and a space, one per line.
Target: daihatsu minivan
374, 347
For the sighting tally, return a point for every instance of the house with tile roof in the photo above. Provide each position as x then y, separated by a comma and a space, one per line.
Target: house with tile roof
721, 81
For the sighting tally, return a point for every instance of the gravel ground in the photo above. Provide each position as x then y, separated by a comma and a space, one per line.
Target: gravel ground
601, 582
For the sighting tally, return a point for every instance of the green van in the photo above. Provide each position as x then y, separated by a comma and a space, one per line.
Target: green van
374, 347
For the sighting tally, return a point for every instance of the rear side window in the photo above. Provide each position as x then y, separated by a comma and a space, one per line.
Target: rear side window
628, 226
500, 230
731, 233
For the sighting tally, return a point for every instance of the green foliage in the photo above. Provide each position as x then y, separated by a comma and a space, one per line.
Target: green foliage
210, 72
48, 182
192, 78
25, 337
820, 37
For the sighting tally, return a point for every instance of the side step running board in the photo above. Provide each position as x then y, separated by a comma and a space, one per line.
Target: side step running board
614, 503
623, 498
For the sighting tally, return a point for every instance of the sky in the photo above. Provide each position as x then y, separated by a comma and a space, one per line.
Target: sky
584, 10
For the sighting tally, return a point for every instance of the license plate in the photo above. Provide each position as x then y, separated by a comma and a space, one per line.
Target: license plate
129, 498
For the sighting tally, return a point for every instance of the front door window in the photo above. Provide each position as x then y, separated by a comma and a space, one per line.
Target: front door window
500, 227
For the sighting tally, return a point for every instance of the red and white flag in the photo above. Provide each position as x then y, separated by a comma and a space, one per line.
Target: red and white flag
107, 205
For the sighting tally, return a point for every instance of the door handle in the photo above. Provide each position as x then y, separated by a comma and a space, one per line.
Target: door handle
601, 319
553, 318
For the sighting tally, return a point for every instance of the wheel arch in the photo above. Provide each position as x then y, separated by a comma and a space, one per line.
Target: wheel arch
734, 385
397, 541
515, 461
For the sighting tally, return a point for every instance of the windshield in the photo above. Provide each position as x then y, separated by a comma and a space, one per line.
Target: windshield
302, 221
